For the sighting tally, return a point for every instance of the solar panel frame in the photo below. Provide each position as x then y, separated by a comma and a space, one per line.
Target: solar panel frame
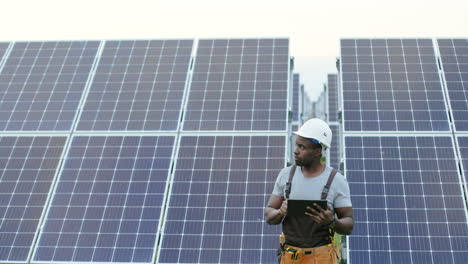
410, 250
454, 64
172, 234
406, 113
73, 151
40, 189
44, 84
203, 113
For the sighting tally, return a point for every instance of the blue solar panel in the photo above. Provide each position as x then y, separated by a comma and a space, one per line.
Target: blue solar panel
220, 187
407, 200
391, 85
107, 203
139, 85
454, 54
42, 84
332, 98
27, 168
239, 84
296, 100
335, 150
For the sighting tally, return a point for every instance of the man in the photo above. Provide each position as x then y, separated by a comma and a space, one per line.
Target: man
308, 238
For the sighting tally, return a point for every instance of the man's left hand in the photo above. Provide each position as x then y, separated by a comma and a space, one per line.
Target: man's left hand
319, 215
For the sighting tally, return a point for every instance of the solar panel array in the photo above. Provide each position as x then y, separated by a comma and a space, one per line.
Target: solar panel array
454, 57
96, 187
391, 85
406, 189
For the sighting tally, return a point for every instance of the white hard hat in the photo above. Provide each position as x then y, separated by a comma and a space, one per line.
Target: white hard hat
316, 129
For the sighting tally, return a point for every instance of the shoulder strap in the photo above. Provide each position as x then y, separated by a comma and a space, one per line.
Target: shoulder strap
326, 188
288, 184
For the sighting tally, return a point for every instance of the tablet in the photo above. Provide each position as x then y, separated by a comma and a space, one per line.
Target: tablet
298, 207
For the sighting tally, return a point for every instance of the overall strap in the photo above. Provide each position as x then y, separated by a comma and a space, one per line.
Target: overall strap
288, 184
326, 188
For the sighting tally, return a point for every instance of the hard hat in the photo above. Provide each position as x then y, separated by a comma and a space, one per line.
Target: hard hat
316, 129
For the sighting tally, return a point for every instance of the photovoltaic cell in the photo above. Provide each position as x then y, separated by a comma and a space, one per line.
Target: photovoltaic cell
391, 85
332, 98
239, 84
220, 187
107, 203
27, 168
335, 157
454, 54
407, 200
139, 85
296, 92
42, 84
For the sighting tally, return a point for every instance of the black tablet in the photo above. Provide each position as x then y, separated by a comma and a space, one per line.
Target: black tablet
298, 207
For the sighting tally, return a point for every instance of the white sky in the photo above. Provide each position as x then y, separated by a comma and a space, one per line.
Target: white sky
314, 27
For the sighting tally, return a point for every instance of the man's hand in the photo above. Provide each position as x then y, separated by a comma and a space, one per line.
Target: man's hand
284, 208
320, 216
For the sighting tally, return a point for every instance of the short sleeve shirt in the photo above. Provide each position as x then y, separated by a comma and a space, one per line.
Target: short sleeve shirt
304, 188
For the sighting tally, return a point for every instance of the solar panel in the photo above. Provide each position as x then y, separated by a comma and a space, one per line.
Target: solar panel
138, 85
296, 101
27, 168
42, 84
239, 84
407, 200
332, 98
454, 54
391, 85
107, 203
335, 156
220, 187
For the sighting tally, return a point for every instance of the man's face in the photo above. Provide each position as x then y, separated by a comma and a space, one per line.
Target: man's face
306, 151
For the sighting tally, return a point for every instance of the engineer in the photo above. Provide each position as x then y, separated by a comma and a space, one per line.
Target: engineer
308, 238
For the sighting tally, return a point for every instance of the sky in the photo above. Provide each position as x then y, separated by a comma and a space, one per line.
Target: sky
313, 27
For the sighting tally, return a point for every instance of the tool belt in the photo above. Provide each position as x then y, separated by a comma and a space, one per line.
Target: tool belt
296, 252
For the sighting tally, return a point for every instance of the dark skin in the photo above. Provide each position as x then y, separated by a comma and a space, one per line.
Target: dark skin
307, 155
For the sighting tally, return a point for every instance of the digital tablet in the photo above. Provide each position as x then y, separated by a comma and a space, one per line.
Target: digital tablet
298, 207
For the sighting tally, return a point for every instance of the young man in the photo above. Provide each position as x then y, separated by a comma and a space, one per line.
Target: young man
308, 238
